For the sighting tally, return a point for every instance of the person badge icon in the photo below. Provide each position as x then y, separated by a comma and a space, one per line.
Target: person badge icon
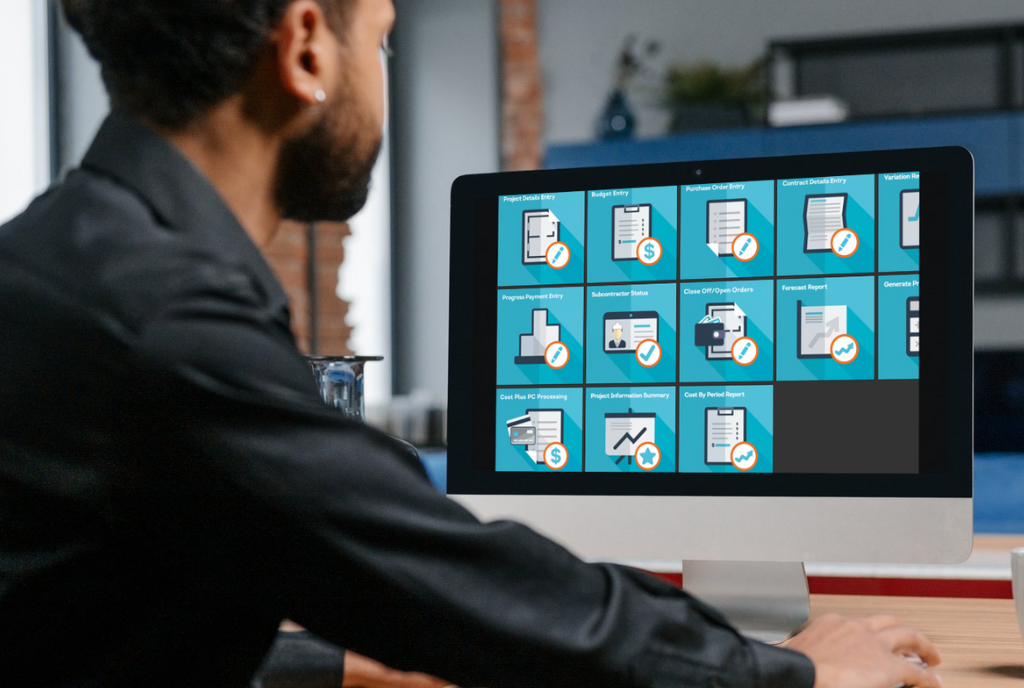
617, 342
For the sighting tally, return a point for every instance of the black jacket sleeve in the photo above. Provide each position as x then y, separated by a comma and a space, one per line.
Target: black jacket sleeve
260, 492
298, 659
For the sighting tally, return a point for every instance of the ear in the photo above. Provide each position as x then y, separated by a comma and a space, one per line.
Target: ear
306, 51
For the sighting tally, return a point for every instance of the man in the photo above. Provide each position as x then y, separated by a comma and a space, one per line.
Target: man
172, 487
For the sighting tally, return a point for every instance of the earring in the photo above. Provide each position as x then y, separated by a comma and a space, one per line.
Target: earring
320, 96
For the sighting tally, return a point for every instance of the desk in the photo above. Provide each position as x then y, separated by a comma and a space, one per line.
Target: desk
979, 641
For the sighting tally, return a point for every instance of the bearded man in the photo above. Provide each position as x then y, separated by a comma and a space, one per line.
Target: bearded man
171, 485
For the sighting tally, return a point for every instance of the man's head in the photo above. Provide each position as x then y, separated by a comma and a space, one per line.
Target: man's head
307, 71
617, 331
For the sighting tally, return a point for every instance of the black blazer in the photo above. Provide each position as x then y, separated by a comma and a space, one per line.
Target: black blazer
171, 485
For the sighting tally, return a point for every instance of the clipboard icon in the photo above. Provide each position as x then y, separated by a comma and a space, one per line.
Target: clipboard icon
631, 224
724, 428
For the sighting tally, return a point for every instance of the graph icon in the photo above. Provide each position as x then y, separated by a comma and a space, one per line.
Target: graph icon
625, 432
844, 349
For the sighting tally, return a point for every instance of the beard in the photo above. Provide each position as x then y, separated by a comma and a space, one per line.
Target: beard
324, 173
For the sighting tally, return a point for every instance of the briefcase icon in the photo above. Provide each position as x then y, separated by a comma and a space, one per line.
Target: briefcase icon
708, 334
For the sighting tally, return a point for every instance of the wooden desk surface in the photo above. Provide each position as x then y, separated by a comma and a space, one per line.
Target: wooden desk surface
979, 641
998, 542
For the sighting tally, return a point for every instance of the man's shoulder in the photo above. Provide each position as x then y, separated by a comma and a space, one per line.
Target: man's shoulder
95, 240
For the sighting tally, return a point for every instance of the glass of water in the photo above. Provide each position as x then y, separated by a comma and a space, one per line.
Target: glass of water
340, 380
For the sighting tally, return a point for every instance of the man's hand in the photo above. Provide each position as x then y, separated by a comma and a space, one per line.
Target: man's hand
866, 653
363, 672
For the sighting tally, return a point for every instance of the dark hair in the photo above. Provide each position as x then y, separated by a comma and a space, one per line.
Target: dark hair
169, 61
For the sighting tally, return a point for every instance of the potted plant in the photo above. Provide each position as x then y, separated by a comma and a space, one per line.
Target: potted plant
704, 95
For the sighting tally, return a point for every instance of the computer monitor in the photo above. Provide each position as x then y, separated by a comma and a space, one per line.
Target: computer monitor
719, 362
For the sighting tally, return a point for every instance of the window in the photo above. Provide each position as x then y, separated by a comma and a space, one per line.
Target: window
25, 116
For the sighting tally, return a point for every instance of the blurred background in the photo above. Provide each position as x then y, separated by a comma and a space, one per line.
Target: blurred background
485, 85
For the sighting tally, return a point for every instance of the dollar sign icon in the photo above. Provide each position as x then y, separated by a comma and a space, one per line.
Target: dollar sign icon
555, 455
649, 251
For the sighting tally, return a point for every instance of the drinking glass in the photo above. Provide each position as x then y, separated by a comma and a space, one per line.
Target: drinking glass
340, 380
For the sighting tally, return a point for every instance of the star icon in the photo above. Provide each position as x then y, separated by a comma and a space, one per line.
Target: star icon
647, 456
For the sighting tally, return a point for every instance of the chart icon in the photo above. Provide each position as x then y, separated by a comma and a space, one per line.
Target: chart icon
844, 349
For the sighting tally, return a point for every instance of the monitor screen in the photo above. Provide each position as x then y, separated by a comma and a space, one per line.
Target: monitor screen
729, 327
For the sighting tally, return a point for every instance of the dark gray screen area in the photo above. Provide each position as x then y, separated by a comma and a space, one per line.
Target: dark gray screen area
851, 426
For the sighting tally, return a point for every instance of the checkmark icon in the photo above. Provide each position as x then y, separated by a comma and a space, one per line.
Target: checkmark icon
648, 353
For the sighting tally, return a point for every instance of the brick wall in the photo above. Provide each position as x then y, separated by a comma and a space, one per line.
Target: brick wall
522, 92
332, 331
288, 255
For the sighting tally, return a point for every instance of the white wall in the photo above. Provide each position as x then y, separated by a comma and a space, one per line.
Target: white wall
84, 102
445, 124
364, 280
24, 117
580, 40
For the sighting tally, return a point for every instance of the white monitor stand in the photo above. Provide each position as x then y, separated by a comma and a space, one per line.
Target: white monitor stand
766, 600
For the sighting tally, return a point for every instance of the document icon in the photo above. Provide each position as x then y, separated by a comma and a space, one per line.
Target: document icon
724, 428
726, 220
816, 327
545, 427
910, 218
540, 229
824, 215
630, 225
735, 326
624, 432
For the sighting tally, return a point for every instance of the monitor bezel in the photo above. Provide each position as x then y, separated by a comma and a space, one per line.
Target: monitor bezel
946, 388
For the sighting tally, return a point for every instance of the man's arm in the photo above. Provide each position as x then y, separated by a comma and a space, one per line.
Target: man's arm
264, 494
